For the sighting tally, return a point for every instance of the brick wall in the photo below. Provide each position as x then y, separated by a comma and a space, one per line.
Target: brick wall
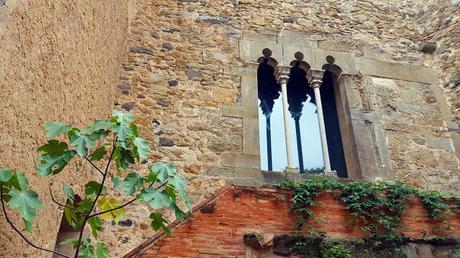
219, 224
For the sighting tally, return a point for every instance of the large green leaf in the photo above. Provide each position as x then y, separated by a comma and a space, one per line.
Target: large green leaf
92, 188
98, 154
82, 143
96, 126
86, 249
163, 170
102, 251
26, 201
123, 157
96, 225
106, 204
5, 174
54, 148
54, 164
155, 199
123, 132
69, 192
55, 128
22, 181
123, 117
132, 182
143, 147
159, 222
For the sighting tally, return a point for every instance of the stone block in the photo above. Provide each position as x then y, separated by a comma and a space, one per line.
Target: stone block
257, 47
442, 143
242, 172
345, 60
405, 72
291, 49
218, 171
240, 111
240, 160
251, 136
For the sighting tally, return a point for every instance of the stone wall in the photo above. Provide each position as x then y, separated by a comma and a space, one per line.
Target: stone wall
187, 80
60, 61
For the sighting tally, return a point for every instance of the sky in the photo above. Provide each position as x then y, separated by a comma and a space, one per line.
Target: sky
311, 142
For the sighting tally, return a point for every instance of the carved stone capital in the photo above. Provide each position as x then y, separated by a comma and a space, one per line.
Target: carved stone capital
282, 73
315, 78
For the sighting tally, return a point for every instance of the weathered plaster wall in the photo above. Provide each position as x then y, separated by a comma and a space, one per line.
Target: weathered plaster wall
186, 80
59, 61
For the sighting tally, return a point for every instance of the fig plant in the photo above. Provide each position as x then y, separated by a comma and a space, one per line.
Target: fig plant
116, 144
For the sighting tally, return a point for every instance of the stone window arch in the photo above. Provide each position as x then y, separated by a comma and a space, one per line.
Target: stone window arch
299, 108
353, 78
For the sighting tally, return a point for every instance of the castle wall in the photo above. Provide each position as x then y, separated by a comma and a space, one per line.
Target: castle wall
59, 61
188, 81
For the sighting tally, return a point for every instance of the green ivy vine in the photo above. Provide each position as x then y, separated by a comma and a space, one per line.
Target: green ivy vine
376, 206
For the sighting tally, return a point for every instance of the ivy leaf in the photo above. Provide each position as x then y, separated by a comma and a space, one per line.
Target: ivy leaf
159, 222
55, 128
163, 170
157, 200
123, 117
92, 188
82, 143
5, 174
132, 182
95, 224
102, 251
143, 147
98, 154
106, 204
69, 192
26, 201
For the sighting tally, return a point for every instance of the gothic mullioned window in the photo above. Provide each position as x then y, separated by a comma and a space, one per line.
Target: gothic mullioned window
298, 119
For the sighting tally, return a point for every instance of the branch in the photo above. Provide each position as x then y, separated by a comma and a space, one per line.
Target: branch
127, 203
19, 232
94, 165
104, 177
60, 204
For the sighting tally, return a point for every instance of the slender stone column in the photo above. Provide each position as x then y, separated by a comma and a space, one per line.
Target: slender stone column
315, 78
282, 75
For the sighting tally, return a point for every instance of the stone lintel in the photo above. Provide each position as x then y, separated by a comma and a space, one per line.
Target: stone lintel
405, 72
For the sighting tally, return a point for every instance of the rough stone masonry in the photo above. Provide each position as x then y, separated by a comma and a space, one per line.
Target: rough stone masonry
187, 76
189, 85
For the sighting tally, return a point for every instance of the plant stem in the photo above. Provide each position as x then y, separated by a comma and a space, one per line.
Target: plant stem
60, 204
94, 165
87, 216
19, 232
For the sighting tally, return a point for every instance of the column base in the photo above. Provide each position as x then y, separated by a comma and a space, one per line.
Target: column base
332, 173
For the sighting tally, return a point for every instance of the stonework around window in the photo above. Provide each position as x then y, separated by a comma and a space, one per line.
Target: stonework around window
365, 125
